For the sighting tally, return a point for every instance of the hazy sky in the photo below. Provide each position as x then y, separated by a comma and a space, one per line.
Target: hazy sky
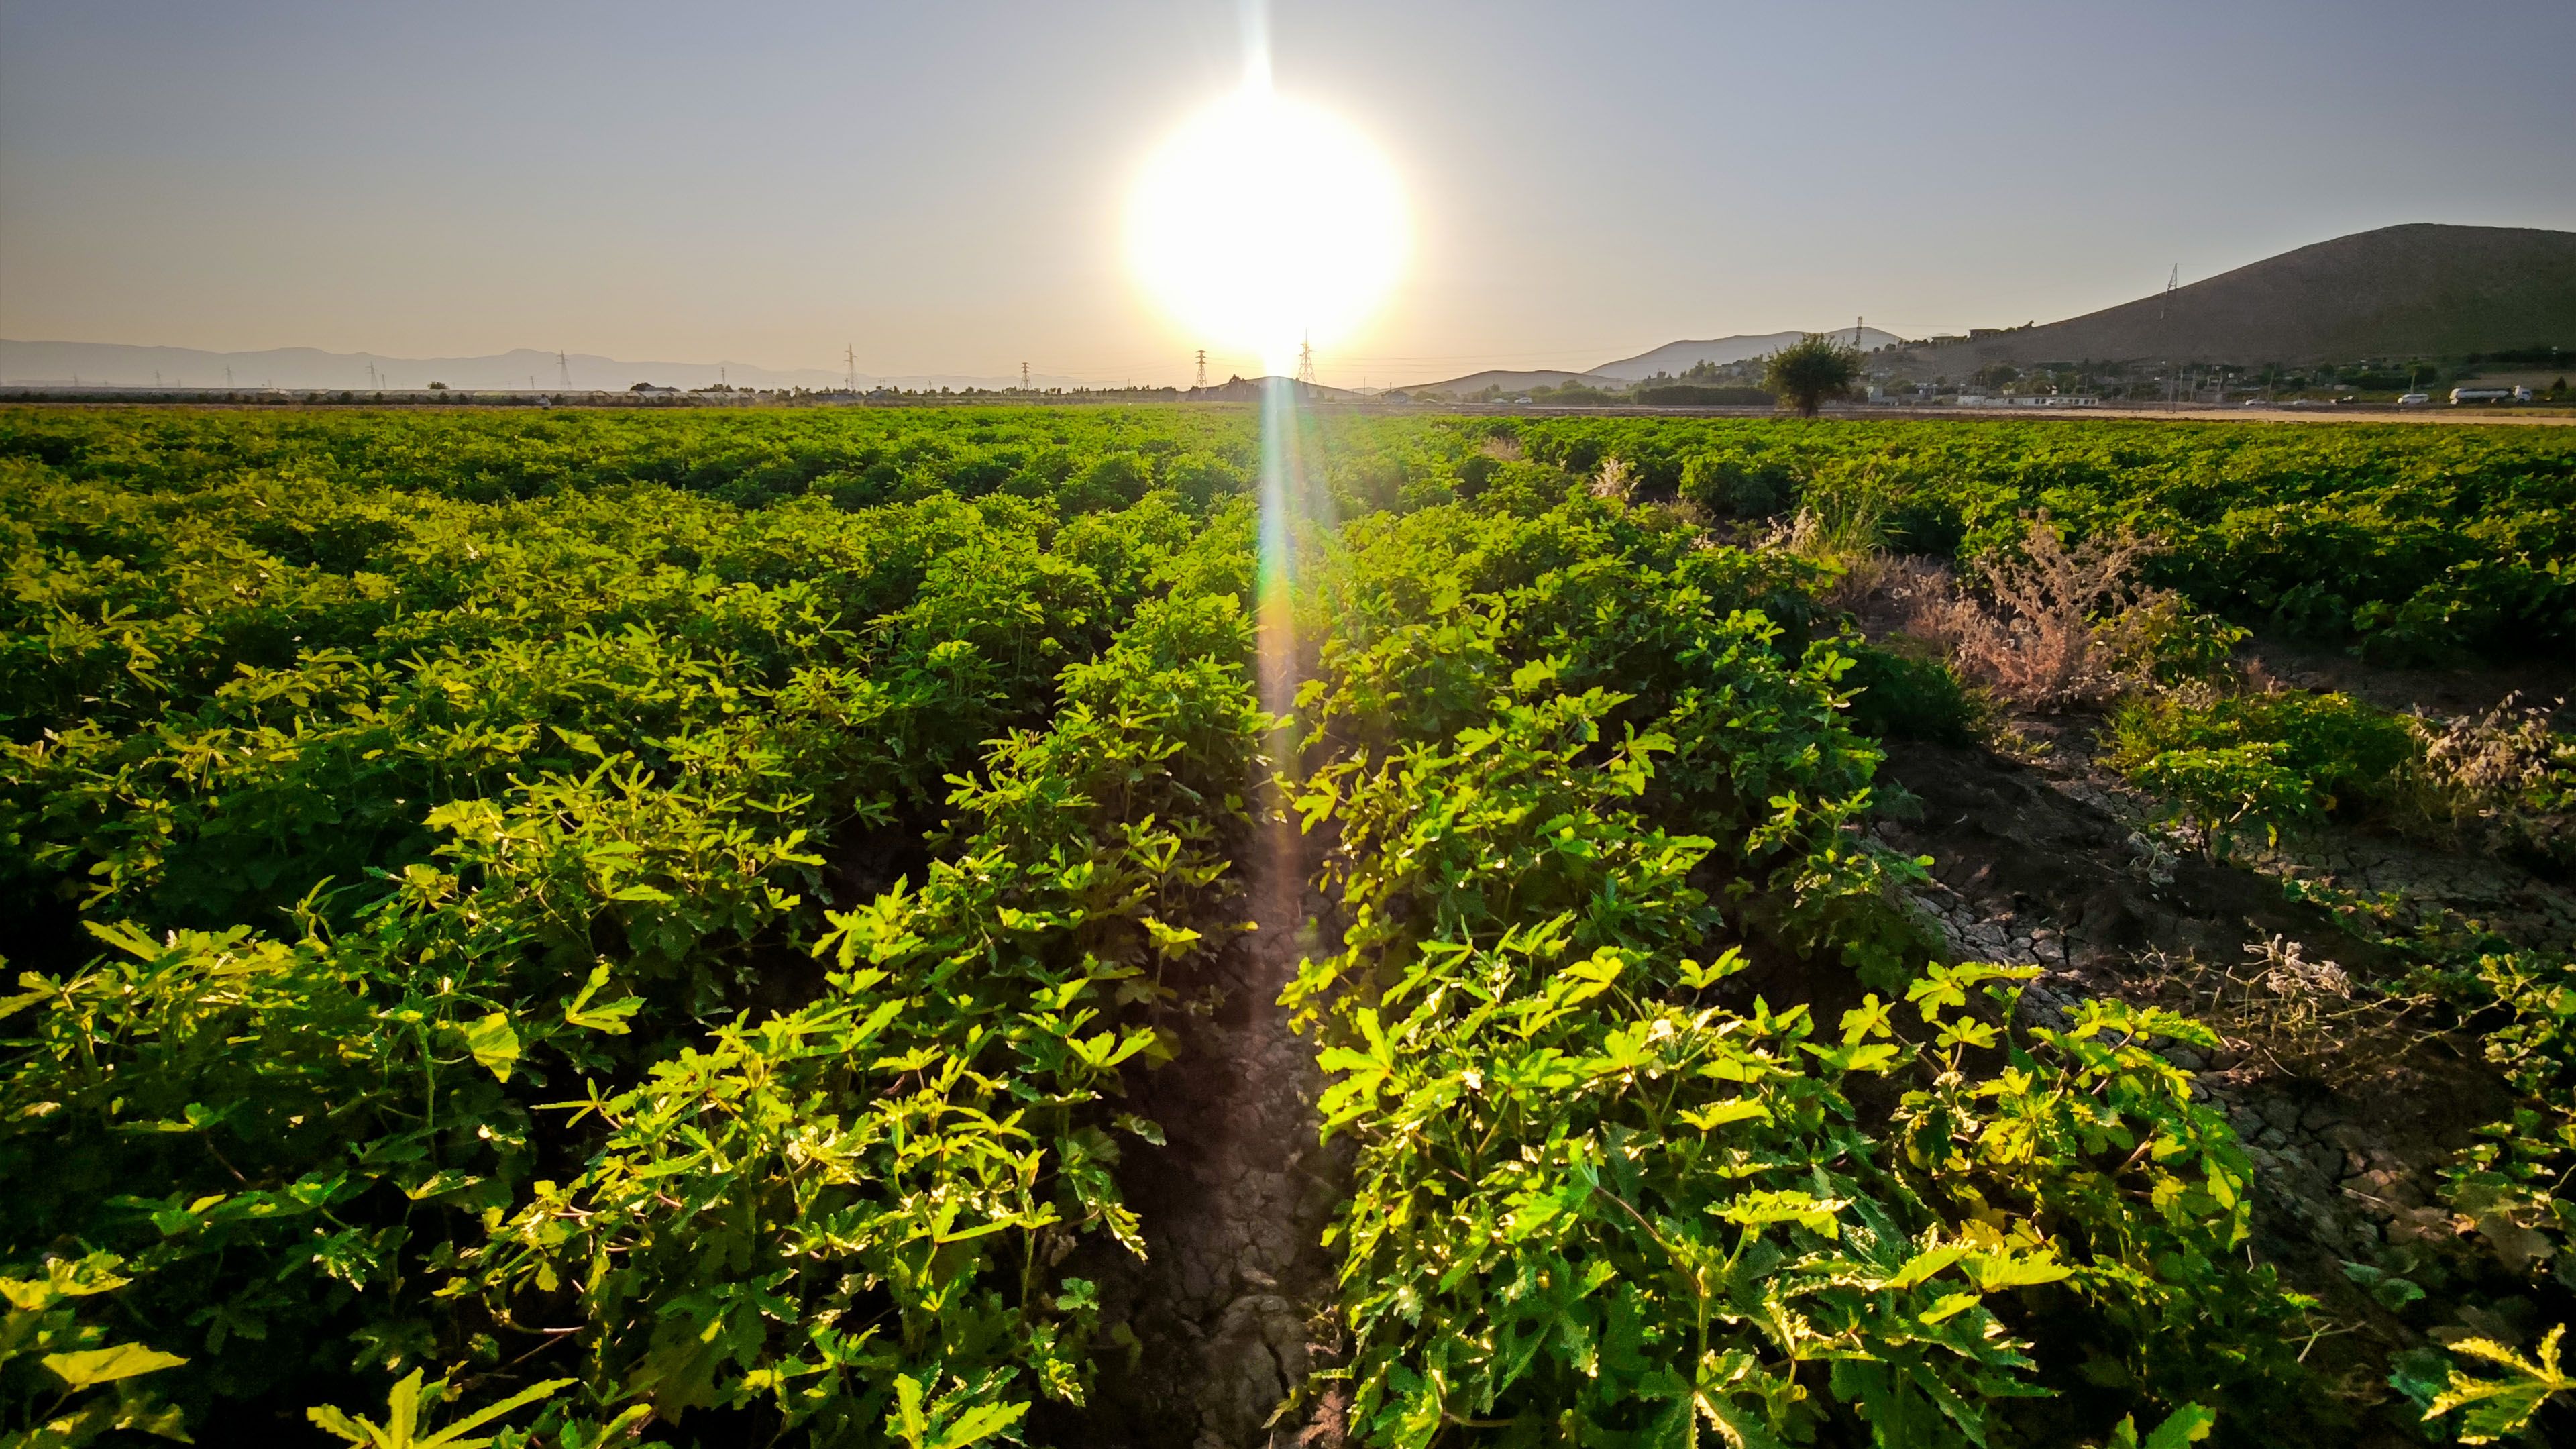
942, 185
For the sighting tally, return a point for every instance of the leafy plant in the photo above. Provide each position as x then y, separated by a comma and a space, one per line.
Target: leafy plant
50, 1359
403, 1429
2491, 1408
2228, 791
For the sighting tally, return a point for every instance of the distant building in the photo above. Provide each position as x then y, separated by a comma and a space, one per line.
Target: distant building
647, 389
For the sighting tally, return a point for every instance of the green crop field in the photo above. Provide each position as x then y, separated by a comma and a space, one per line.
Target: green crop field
667, 923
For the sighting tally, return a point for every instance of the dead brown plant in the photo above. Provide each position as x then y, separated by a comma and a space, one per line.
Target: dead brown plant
2037, 632
2505, 779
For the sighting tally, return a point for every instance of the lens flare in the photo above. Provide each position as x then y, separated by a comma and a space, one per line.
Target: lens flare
1265, 223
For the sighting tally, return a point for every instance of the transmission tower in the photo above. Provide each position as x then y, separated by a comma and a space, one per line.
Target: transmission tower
1306, 362
1024, 377
1202, 382
563, 370
1857, 319
2173, 279
850, 360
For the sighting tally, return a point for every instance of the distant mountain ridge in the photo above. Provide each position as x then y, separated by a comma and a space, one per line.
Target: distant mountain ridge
26, 364
1678, 357
1673, 357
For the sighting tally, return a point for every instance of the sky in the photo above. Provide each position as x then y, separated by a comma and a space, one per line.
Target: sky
942, 187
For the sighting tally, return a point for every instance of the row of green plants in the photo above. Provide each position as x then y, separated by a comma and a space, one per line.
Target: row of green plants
2412, 542
1590, 798
602, 953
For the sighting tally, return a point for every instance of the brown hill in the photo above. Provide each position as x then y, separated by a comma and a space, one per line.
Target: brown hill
2419, 290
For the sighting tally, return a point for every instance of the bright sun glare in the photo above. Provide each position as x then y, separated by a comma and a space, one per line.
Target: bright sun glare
1264, 223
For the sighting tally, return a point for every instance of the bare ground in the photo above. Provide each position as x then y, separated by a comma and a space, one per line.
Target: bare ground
1233, 1306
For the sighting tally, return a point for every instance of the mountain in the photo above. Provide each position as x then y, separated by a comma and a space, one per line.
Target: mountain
1513, 381
2418, 290
1678, 357
1672, 357
114, 364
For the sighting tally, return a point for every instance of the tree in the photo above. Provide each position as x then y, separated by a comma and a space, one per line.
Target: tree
1811, 372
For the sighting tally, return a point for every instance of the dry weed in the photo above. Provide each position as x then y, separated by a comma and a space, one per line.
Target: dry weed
1502, 449
2040, 636
1615, 480
2501, 780
2300, 1018
1885, 592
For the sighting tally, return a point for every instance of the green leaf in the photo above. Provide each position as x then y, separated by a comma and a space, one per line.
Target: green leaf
493, 1043
609, 1017
984, 1421
1718, 1114
106, 1365
2187, 1425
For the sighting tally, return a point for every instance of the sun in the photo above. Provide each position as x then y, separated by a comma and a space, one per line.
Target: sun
1265, 223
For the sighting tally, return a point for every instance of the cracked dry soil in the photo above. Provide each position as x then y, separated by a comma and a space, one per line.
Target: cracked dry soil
1233, 1305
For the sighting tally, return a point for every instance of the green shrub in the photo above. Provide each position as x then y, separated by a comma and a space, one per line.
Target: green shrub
2230, 790
1897, 695
1738, 485
2167, 642
2353, 759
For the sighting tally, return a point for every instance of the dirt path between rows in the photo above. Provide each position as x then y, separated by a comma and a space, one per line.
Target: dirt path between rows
1234, 1304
